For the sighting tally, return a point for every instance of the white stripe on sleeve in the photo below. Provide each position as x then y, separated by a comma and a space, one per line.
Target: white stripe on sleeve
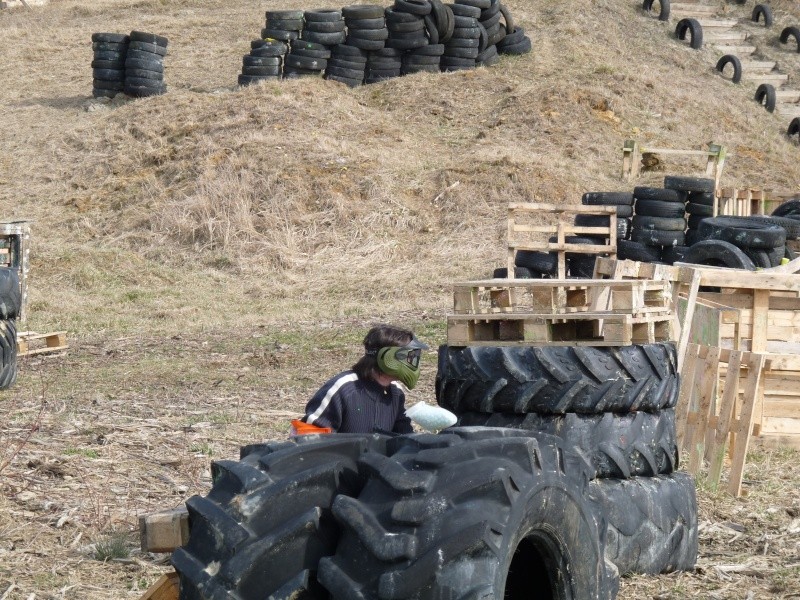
331, 392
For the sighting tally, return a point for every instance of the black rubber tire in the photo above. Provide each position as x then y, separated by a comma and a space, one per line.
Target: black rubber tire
370, 45
743, 231
517, 49
673, 254
659, 208
363, 11
267, 52
8, 353
791, 226
138, 89
658, 237
718, 253
114, 38
261, 61
346, 73
651, 522
488, 520
557, 379
544, 262
311, 49
108, 55
482, 4
760, 258
462, 43
630, 250
284, 24
305, 62
266, 522
325, 15
607, 198
737, 66
118, 65
414, 7
279, 34
417, 26
507, 17
689, 184
794, 127
695, 32
325, 26
491, 22
277, 44
662, 223
702, 210
145, 56
706, 198
421, 61
145, 74
788, 208
663, 14
100, 84
109, 74
408, 43
149, 38
466, 53
349, 53
430, 51
581, 266
328, 39
464, 10
692, 237
109, 47
149, 65
765, 94
145, 47
346, 64
791, 32
513, 37
519, 273
661, 194
627, 445
765, 11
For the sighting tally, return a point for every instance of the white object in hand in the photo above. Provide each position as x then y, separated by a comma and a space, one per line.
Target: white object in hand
431, 418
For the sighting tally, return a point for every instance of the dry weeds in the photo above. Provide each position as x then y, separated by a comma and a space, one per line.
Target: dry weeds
214, 253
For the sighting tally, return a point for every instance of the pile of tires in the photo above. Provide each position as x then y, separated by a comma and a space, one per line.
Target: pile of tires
582, 265
471, 512
613, 407
264, 63
108, 64
144, 65
761, 239
10, 306
133, 64
373, 43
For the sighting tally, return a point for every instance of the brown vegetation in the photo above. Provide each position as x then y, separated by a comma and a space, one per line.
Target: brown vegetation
216, 252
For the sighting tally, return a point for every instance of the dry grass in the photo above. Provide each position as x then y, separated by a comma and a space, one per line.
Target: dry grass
214, 253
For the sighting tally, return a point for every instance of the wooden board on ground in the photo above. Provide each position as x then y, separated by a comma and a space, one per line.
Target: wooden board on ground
164, 531
30, 343
167, 587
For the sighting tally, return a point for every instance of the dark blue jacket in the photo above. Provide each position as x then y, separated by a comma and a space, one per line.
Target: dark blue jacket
348, 404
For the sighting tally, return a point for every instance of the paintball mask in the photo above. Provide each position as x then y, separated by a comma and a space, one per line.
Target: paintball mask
402, 361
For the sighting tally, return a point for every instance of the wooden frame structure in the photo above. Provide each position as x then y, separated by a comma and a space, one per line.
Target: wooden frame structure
525, 224
632, 155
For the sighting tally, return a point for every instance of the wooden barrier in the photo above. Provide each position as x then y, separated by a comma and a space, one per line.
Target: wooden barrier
632, 154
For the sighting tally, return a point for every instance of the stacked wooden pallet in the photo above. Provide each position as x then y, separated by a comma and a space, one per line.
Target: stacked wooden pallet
564, 312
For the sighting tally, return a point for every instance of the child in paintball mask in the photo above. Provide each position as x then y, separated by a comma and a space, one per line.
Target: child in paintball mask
366, 398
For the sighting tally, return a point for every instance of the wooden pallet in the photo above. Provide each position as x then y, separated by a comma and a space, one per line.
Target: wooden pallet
29, 342
716, 415
164, 531
167, 587
565, 329
632, 154
528, 229
553, 296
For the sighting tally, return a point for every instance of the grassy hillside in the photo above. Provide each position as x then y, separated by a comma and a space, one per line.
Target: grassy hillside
215, 253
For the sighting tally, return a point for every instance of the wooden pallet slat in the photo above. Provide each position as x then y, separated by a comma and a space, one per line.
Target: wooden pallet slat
29, 343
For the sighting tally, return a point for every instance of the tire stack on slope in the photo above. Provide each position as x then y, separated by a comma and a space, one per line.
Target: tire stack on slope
347, 65
366, 26
108, 66
305, 59
144, 65
658, 223
282, 25
699, 196
739, 242
264, 63
10, 306
468, 39
495, 31
413, 31
615, 407
582, 265
431, 517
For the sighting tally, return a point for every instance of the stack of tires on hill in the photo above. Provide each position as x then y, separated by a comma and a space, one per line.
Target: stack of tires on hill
131, 63
368, 43
10, 306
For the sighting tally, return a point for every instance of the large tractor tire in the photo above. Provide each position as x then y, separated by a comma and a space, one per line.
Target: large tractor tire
557, 379
8, 353
494, 513
651, 522
263, 528
626, 445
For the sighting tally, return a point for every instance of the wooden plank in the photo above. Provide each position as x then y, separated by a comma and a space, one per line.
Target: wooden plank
684, 405
54, 342
696, 436
760, 310
167, 587
744, 424
691, 298
780, 425
164, 531
716, 450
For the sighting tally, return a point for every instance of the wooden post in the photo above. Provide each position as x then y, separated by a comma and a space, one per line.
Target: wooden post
744, 425
691, 300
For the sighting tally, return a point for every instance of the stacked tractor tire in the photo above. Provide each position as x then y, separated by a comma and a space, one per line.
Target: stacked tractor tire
611, 406
133, 64
368, 43
10, 306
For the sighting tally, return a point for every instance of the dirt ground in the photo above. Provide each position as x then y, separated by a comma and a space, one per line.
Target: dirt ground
215, 253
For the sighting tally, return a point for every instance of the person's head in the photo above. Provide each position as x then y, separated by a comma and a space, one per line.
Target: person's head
392, 351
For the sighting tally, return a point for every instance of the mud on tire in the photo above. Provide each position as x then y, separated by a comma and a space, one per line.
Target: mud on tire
265, 524
473, 513
557, 379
